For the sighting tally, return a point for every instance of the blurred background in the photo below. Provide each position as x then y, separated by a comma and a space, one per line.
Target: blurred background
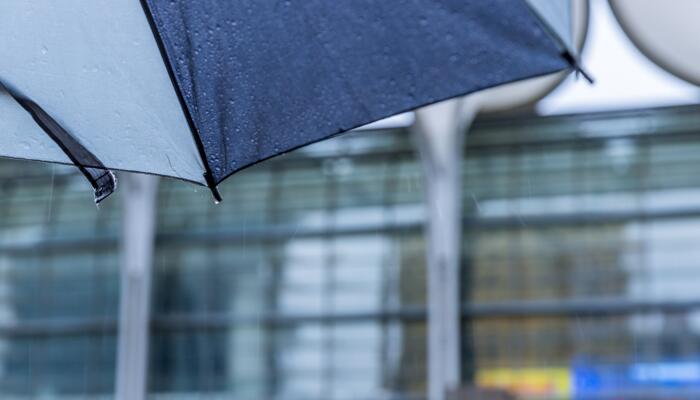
580, 264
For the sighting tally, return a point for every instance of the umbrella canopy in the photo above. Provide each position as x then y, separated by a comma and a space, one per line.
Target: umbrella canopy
198, 90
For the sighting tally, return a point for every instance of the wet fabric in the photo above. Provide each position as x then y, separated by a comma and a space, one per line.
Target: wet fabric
198, 90
262, 77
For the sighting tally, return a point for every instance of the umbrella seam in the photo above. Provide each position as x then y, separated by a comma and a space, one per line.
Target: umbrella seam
161, 40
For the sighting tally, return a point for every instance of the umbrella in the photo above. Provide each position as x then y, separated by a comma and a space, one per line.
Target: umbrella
198, 90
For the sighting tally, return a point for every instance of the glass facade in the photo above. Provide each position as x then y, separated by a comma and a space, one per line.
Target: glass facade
580, 267
581, 256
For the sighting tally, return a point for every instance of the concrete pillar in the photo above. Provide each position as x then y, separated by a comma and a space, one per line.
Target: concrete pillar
439, 132
139, 194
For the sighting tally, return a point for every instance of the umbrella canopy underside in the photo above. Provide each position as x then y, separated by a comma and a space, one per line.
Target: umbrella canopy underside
200, 90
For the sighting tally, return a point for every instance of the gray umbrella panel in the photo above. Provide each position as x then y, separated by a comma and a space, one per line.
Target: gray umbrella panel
199, 90
556, 14
95, 67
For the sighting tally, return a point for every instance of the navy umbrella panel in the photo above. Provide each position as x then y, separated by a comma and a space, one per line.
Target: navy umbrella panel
198, 90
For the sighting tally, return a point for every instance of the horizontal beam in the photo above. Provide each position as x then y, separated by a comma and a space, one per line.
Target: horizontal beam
533, 130
594, 308
283, 233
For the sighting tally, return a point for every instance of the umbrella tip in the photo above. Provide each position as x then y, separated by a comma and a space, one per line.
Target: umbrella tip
575, 63
211, 184
216, 194
104, 186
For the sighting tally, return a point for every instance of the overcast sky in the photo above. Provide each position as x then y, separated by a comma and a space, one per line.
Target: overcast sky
625, 78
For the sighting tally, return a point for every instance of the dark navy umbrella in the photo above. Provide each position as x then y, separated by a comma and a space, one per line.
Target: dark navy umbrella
198, 90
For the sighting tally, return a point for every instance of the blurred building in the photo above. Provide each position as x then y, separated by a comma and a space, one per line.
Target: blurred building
580, 272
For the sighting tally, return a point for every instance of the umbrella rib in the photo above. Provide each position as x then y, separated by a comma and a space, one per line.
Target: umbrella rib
102, 179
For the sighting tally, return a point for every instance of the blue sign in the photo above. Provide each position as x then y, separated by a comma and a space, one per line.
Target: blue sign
592, 379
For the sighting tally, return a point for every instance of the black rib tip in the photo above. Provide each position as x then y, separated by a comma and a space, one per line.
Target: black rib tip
585, 75
104, 186
576, 65
216, 194
211, 184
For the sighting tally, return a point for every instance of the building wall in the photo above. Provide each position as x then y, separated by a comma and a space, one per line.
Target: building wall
308, 281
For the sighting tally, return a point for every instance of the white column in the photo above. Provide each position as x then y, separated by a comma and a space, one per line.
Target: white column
139, 194
439, 130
